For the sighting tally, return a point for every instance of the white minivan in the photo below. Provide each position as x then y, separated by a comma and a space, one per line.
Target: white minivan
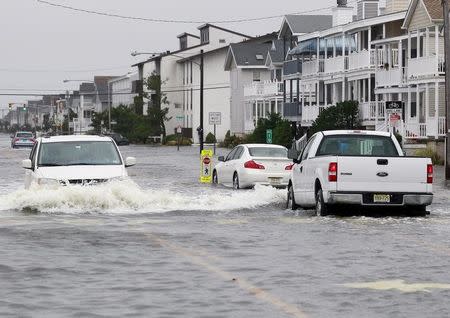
75, 159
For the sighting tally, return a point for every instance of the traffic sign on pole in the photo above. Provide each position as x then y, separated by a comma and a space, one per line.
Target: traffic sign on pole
269, 136
206, 166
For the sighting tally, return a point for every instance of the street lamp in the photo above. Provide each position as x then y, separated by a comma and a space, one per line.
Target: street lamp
201, 65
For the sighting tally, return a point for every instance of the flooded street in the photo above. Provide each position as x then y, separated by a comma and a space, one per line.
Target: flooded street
162, 245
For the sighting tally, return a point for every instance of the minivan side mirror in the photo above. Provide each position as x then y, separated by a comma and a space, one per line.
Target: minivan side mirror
26, 164
221, 158
130, 161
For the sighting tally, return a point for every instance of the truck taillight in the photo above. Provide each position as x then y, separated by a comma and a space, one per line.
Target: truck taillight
332, 172
289, 167
430, 174
253, 165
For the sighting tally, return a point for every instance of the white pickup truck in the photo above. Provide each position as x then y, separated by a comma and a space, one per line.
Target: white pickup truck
364, 168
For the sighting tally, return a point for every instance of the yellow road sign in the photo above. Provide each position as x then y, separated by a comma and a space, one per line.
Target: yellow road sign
206, 166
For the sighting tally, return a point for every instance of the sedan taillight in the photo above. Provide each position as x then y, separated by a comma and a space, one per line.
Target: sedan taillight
332, 172
253, 165
289, 167
430, 174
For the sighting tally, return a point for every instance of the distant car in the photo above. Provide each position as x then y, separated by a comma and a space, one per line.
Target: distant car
71, 160
251, 164
22, 139
119, 139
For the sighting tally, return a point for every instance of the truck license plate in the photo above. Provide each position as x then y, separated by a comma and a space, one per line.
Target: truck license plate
381, 198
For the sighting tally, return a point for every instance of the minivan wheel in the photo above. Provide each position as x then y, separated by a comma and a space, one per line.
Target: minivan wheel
290, 203
321, 207
236, 181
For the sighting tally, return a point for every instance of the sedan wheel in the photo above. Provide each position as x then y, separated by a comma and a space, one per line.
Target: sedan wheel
290, 203
215, 180
321, 207
236, 182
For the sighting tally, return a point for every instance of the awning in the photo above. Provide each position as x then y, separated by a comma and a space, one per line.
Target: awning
310, 46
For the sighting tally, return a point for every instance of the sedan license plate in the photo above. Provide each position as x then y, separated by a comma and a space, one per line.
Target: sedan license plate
381, 198
275, 181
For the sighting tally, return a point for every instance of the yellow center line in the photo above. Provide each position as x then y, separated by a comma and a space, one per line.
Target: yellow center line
259, 293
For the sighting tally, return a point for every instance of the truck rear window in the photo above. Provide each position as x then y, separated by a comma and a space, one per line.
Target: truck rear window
357, 145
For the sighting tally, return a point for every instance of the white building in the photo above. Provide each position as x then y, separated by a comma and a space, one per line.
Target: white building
180, 75
121, 89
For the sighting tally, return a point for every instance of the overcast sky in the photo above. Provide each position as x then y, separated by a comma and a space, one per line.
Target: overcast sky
40, 45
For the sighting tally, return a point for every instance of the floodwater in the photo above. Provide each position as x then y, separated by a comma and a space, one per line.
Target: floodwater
162, 245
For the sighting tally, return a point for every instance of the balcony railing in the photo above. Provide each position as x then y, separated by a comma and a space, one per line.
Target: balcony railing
310, 113
391, 77
361, 60
414, 130
441, 126
425, 66
334, 64
292, 67
263, 89
292, 109
369, 111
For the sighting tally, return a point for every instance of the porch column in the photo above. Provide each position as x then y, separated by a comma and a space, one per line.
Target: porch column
409, 104
436, 45
318, 55
400, 56
333, 87
364, 89
325, 94
303, 96
257, 110
276, 105
310, 95
389, 54
427, 104
418, 43
409, 45
436, 108
417, 103
376, 111
427, 41
369, 87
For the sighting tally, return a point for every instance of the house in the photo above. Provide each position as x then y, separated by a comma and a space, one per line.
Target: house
121, 89
255, 81
180, 75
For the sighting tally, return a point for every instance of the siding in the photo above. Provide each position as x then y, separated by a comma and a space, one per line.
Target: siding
420, 18
371, 10
441, 101
396, 5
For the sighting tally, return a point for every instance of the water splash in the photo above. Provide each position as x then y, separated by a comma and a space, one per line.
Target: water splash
124, 197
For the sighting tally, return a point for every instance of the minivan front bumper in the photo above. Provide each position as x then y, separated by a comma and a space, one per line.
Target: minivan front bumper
407, 199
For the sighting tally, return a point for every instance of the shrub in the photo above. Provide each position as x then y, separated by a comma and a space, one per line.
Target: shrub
210, 138
281, 129
430, 153
231, 141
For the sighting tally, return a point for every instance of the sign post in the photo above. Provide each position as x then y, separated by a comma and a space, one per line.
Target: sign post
206, 165
269, 136
178, 131
215, 118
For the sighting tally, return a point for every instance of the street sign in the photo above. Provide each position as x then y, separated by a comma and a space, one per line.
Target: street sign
394, 111
113, 122
269, 136
180, 118
179, 129
215, 118
206, 166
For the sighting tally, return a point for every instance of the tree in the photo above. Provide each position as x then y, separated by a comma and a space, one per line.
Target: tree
281, 129
157, 113
344, 115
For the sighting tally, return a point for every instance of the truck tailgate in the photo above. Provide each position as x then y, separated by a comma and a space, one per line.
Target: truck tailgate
378, 174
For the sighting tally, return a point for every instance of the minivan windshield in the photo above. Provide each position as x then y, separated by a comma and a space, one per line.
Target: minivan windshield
269, 152
76, 153
357, 145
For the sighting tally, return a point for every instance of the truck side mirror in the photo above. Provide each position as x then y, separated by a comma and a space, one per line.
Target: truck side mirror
293, 154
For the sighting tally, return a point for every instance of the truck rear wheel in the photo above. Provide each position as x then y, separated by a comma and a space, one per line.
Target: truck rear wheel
321, 207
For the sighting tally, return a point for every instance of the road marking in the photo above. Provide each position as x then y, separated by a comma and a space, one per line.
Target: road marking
227, 276
399, 285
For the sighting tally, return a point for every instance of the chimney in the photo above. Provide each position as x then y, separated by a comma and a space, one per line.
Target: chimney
367, 9
342, 14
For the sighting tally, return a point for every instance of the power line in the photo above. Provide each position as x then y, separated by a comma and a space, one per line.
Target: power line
61, 71
112, 15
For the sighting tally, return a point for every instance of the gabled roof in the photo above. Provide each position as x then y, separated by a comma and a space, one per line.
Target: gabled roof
300, 24
188, 34
223, 29
275, 55
252, 53
433, 8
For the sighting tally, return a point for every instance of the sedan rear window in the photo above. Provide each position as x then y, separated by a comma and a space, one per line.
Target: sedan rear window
24, 135
269, 152
357, 145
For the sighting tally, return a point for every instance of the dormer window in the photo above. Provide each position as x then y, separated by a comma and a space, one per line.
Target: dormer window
204, 35
183, 43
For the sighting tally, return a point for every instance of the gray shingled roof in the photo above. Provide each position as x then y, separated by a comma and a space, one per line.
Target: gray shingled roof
245, 53
309, 23
277, 54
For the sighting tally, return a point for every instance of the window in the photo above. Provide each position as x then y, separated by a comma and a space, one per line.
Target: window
256, 76
268, 152
307, 148
177, 105
357, 145
238, 153
204, 35
183, 43
222, 41
231, 154
192, 96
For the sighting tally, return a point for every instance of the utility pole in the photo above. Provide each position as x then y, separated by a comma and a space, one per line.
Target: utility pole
201, 100
447, 89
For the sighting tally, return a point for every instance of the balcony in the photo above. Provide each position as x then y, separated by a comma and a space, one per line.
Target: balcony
390, 77
312, 67
334, 64
361, 60
310, 113
292, 110
368, 111
425, 67
292, 67
264, 89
